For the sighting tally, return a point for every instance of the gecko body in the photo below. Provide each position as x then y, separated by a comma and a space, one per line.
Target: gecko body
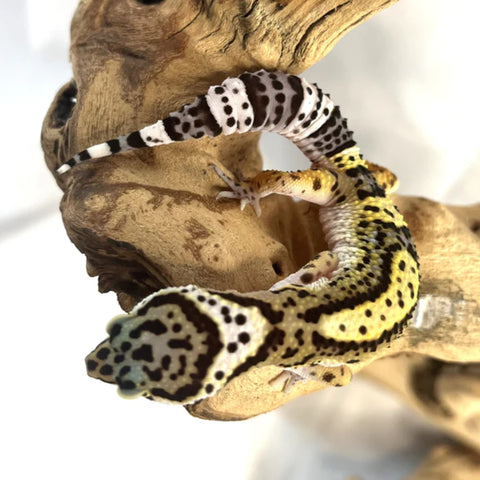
183, 344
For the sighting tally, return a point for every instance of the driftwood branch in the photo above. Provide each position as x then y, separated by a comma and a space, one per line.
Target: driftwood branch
149, 219
449, 462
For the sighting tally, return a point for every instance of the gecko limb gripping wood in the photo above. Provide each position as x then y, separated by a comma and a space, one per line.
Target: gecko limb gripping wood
148, 219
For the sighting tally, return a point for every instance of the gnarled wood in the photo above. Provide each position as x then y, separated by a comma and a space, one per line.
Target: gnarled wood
149, 219
449, 462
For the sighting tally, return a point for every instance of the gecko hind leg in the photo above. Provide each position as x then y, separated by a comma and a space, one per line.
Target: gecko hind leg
314, 274
384, 177
316, 186
337, 376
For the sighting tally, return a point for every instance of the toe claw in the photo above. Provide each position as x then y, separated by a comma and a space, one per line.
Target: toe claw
226, 194
257, 207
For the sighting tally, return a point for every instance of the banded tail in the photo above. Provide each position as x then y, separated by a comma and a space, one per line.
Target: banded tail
183, 344
261, 101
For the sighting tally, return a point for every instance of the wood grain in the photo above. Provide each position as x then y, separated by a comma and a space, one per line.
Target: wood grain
148, 219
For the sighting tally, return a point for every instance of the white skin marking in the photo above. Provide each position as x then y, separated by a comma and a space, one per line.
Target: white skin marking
183, 344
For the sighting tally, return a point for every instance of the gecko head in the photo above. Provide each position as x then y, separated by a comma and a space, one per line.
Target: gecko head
165, 349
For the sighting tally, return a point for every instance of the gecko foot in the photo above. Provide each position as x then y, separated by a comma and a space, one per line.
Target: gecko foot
337, 376
242, 191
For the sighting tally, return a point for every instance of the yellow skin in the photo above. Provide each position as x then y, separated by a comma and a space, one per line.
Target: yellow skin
183, 344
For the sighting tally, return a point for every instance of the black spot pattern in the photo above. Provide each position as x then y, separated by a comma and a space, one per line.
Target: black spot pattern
143, 353
254, 101
182, 347
285, 104
194, 121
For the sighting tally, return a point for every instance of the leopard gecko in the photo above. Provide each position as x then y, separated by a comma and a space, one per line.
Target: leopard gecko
183, 344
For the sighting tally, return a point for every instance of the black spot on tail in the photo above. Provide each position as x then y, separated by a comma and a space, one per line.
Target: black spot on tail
169, 125
135, 140
296, 85
114, 145
207, 117
253, 87
82, 156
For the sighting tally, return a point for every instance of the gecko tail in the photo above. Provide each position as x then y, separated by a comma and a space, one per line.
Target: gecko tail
137, 139
78, 158
259, 101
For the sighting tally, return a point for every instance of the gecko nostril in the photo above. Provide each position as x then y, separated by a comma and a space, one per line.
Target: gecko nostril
277, 267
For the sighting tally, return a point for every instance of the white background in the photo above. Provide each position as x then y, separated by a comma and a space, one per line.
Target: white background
408, 82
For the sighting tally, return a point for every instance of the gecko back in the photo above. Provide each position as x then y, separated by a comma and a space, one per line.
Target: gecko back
184, 344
